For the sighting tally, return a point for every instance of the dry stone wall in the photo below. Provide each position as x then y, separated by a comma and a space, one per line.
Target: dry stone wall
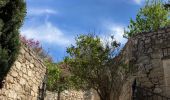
70, 95
148, 56
25, 77
148, 53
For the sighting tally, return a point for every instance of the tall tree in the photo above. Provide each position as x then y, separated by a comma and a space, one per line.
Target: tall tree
12, 13
151, 17
92, 63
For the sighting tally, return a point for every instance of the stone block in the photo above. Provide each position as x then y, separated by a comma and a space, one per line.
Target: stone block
14, 73
31, 65
22, 81
9, 79
29, 73
18, 65
12, 94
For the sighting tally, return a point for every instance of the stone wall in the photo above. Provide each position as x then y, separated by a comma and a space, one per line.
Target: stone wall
148, 55
70, 95
24, 78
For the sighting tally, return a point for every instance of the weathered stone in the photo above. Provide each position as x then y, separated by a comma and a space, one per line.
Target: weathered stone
20, 74
10, 79
31, 65
35, 89
22, 51
22, 81
18, 65
12, 94
14, 73
157, 90
24, 70
29, 73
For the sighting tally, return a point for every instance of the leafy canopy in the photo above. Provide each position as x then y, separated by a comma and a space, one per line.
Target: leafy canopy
149, 18
91, 62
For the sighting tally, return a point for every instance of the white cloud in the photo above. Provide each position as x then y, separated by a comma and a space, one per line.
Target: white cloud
139, 2
118, 32
47, 33
115, 30
41, 11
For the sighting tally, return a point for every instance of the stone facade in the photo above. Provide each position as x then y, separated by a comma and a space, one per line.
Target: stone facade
25, 77
148, 55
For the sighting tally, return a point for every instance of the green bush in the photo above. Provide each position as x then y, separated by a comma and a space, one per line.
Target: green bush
12, 13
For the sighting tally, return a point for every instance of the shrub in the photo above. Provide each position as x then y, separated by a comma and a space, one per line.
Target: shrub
12, 13
36, 47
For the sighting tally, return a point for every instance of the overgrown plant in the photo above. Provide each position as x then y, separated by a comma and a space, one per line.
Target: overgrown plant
12, 13
149, 18
95, 66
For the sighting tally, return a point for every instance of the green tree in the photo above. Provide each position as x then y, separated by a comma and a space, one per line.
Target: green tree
93, 65
57, 80
149, 18
12, 13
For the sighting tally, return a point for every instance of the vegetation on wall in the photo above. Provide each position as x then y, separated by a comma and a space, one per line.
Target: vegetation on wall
91, 61
36, 47
149, 18
12, 13
57, 80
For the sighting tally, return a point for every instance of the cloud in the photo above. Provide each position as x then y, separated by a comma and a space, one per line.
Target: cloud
115, 30
47, 33
139, 2
41, 11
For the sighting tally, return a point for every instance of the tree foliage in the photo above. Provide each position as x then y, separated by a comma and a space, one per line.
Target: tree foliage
57, 80
53, 75
12, 13
149, 18
91, 62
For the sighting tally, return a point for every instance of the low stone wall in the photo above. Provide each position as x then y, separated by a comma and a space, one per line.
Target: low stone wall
70, 95
24, 78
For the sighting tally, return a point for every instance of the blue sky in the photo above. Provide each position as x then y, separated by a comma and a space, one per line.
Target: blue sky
55, 23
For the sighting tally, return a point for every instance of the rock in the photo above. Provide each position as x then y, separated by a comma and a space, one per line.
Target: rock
31, 65
157, 90
22, 81
35, 88
10, 79
14, 73
22, 51
18, 65
29, 73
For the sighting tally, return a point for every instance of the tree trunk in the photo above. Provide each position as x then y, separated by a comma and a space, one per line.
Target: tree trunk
105, 96
59, 94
